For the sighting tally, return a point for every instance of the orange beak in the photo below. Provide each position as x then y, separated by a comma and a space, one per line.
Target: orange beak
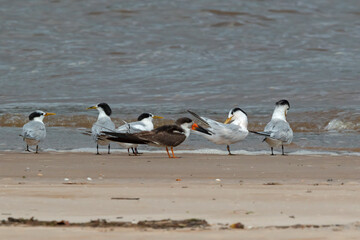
194, 126
198, 128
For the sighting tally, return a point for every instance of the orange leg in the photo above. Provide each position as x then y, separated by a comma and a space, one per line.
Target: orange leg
172, 150
167, 150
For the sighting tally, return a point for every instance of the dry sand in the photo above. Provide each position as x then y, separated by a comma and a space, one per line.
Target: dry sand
258, 191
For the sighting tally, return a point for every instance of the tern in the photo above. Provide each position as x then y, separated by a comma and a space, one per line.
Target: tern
143, 123
103, 123
34, 131
164, 136
233, 130
278, 131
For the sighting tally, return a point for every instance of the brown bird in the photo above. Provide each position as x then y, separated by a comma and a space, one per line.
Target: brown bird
164, 136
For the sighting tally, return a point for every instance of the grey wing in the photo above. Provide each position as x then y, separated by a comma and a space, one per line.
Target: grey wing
124, 128
34, 130
226, 133
133, 127
212, 123
214, 126
222, 133
232, 132
102, 124
279, 130
222, 128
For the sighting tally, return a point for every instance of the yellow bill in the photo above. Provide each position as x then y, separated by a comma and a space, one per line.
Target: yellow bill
228, 120
49, 113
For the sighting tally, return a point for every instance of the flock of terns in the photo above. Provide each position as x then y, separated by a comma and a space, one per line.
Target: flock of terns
277, 132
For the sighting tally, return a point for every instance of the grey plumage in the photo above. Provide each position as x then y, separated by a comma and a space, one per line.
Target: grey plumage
33, 132
102, 124
134, 127
280, 130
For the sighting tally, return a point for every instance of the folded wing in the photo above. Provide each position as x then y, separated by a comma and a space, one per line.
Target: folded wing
34, 130
279, 130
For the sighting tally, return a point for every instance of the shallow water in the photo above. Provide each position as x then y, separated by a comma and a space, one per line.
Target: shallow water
169, 56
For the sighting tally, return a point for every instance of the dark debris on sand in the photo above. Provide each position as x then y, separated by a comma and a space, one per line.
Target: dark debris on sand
355, 225
158, 224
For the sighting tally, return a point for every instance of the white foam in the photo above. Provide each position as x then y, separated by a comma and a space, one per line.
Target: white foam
85, 150
213, 152
328, 153
337, 125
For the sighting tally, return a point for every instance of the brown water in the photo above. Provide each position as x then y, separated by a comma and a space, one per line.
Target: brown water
169, 56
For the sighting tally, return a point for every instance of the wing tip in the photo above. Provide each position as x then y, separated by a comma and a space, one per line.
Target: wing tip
260, 133
198, 117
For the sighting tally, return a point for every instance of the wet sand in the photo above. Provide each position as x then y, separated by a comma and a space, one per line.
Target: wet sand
261, 192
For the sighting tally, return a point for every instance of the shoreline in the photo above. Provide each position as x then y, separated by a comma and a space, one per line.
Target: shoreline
202, 151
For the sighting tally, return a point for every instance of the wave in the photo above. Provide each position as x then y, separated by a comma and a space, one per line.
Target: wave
74, 121
337, 125
329, 123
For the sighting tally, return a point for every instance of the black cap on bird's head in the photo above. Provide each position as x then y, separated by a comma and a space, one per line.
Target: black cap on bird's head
148, 115
39, 113
106, 108
234, 114
36, 114
144, 115
232, 111
183, 120
283, 102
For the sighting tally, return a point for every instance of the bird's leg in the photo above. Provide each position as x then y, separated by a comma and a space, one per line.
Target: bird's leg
129, 151
37, 148
27, 148
97, 149
133, 151
137, 151
272, 151
228, 148
282, 148
167, 150
172, 150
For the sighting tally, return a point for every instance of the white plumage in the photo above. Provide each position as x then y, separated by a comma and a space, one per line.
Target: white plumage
223, 133
144, 123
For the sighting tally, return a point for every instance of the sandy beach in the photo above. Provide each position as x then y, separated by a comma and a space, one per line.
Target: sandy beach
261, 192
